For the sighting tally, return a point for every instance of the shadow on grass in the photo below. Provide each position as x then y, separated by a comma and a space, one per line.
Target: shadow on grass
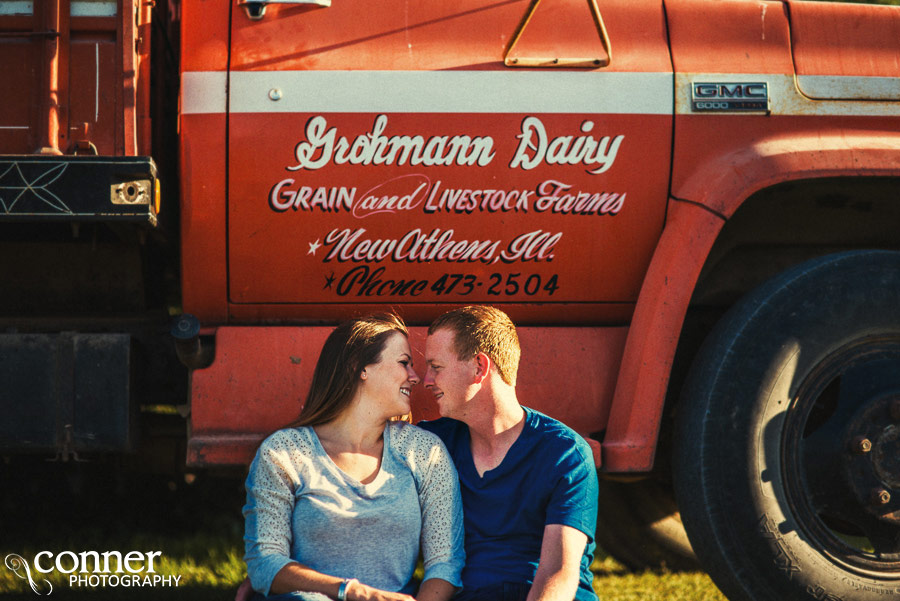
39, 501
197, 526
194, 522
604, 565
181, 593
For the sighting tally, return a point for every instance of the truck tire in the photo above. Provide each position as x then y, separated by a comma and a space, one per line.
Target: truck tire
638, 525
787, 448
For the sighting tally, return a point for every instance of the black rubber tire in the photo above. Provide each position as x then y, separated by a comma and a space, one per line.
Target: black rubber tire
639, 525
729, 459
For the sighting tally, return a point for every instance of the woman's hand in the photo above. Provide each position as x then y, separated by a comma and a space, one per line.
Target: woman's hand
297, 577
357, 591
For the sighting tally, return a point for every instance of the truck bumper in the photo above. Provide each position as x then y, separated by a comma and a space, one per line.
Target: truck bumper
78, 188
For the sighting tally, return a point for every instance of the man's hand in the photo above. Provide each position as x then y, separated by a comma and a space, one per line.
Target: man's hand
559, 569
297, 577
357, 591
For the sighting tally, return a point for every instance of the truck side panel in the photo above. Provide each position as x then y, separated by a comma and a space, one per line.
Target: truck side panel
408, 164
395, 161
202, 123
261, 377
721, 160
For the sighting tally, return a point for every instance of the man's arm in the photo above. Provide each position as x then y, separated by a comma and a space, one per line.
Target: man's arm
435, 589
559, 568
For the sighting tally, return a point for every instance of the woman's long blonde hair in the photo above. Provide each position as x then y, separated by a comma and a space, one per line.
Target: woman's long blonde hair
348, 350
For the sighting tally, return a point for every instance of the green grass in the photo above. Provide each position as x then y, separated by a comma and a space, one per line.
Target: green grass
210, 565
211, 568
198, 528
613, 582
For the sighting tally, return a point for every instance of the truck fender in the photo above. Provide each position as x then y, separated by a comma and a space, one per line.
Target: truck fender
697, 211
724, 183
633, 427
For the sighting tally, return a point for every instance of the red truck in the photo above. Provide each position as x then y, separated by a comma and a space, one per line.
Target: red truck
691, 209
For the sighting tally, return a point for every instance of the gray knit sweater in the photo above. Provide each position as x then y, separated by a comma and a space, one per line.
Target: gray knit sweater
301, 507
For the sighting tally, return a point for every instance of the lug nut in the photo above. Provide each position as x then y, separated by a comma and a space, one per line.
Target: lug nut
861, 445
880, 496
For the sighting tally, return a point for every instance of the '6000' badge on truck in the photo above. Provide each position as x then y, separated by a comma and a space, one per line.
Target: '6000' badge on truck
714, 96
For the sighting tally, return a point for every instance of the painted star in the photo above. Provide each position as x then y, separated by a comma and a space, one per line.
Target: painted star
313, 247
329, 280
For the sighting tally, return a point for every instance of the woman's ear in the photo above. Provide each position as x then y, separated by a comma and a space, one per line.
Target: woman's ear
363, 375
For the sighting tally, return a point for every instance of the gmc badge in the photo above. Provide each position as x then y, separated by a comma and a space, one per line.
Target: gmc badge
715, 96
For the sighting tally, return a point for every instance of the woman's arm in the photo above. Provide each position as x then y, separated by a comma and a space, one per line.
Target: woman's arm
297, 577
270, 487
442, 522
275, 476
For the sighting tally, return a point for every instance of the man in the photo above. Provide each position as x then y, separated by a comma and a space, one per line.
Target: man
528, 482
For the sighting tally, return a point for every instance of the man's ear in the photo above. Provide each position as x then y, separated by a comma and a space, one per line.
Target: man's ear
482, 367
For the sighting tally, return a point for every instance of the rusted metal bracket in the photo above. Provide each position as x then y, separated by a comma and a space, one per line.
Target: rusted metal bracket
587, 62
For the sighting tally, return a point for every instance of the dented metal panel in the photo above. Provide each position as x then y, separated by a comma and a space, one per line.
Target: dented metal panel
848, 87
846, 51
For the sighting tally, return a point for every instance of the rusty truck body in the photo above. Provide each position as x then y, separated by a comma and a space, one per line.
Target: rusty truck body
690, 208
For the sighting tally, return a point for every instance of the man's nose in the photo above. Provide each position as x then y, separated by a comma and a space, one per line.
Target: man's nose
429, 378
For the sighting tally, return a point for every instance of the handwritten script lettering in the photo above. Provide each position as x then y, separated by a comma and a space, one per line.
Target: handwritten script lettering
323, 146
535, 148
418, 246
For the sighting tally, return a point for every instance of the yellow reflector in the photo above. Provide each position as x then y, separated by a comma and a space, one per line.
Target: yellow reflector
156, 197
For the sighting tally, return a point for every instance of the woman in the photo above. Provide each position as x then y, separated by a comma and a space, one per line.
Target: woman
338, 503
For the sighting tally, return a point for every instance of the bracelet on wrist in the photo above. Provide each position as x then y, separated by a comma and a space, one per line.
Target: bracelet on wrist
342, 589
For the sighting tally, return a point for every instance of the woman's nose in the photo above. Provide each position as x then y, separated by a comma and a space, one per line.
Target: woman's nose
411, 375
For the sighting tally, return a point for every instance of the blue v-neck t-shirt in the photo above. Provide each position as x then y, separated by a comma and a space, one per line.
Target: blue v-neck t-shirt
547, 477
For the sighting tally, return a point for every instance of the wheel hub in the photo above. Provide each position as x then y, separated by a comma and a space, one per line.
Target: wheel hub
872, 465
886, 456
842, 455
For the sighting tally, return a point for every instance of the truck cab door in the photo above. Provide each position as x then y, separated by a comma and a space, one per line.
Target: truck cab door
405, 154
826, 42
